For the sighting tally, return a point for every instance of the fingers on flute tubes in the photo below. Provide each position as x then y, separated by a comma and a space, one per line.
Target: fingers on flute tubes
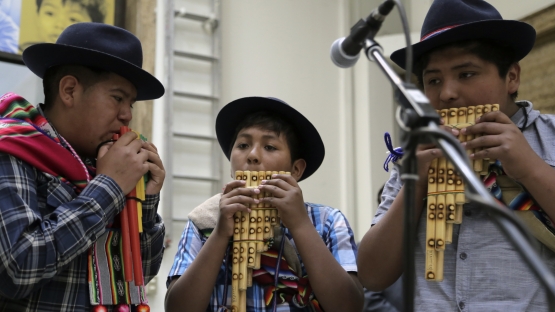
236, 204
241, 190
233, 185
275, 188
477, 163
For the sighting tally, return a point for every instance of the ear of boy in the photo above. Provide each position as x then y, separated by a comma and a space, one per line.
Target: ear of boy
298, 168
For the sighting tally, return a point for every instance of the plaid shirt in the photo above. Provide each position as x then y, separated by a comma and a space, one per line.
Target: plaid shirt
330, 223
46, 231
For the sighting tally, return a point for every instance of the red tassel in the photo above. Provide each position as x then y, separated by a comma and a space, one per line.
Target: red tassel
123, 308
99, 308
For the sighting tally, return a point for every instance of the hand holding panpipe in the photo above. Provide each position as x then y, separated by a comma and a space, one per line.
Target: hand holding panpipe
252, 233
445, 197
131, 227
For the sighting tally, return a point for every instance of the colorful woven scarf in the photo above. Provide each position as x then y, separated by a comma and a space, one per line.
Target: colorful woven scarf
291, 288
523, 201
26, 135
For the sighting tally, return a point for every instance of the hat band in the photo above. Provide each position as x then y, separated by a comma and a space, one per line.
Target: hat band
437, 32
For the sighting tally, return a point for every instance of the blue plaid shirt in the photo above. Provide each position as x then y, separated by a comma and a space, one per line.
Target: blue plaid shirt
330, 223
46, 231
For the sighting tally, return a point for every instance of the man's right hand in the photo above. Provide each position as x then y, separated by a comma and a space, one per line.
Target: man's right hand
425, 153
125, 161
235, 198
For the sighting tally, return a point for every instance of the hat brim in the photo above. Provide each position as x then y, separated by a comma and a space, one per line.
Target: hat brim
518, 35
42, 56
232, 115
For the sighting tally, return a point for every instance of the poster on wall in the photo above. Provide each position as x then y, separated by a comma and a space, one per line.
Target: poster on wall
27, 22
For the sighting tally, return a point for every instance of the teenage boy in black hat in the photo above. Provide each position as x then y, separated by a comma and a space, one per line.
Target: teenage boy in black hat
60, 186
469, 56
257, 134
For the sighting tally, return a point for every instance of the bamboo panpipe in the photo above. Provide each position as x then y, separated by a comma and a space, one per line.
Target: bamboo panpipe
446, 190
131, 227
251, 235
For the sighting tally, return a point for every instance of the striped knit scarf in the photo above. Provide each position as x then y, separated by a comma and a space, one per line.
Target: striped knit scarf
521, 202
27, 135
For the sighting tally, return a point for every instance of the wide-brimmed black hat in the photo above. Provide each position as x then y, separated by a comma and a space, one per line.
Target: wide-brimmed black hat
450, 21
99, 45
231, 115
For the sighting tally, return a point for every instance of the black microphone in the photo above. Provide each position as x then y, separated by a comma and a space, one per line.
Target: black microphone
345, 51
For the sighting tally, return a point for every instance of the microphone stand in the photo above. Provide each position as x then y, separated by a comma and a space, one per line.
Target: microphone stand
420, 124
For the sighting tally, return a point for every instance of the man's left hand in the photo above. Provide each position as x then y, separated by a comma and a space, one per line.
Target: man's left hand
156, 169
287, 197
501, 139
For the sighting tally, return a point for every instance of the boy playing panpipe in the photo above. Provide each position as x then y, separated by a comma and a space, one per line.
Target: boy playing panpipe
257, 134
468, 56
60, 186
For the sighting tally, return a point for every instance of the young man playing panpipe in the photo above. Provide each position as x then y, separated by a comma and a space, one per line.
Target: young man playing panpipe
468, 56
318, 268
61, 186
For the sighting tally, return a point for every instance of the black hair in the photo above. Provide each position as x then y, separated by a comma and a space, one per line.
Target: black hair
272, 122
497, 53
95, 8
86, 75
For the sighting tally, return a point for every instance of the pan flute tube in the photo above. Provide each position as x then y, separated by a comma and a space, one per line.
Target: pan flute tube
431, 253
452, 119
268, 228
479, 163
235, 304
253, 216
440, 203
273, 213
259, 225
243, 259
235, 277
462, 119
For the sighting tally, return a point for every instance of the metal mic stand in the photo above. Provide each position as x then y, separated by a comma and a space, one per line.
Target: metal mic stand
420, 124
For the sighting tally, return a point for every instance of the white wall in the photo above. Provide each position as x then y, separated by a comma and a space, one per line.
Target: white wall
281, 49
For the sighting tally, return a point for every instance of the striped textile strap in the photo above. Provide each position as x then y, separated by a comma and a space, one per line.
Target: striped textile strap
107, 285
521, 202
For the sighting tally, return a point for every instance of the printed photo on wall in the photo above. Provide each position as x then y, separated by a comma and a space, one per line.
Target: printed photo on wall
27, 22
44, 20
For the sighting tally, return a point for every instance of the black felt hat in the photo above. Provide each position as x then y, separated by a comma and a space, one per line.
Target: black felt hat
99, 45
450, 21
231, 115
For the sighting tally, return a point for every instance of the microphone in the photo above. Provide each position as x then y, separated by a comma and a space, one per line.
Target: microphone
345, 51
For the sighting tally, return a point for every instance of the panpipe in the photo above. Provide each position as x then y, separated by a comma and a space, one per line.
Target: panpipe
445, 198
131, 227
252, 234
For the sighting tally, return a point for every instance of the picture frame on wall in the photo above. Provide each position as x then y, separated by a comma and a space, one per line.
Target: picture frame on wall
27, 22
